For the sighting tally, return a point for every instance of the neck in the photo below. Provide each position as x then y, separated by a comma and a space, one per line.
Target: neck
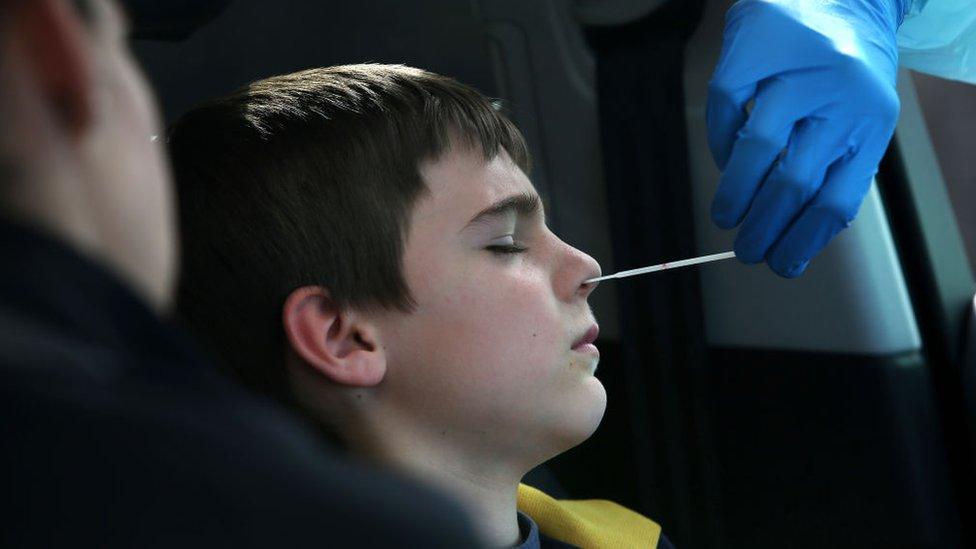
484, 485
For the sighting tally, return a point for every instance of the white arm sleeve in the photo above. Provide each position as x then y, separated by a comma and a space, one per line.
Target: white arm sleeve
939, 37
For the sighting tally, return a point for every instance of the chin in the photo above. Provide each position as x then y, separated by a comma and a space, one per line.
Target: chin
583, 414
596, 409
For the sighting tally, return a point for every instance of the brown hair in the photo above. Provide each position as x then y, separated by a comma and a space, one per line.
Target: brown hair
309, 179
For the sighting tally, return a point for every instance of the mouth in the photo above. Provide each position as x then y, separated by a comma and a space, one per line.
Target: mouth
585, 342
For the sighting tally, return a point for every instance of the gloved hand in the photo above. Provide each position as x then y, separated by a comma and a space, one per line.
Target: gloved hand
798, 165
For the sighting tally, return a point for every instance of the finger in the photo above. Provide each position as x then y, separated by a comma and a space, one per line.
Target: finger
792, 183
756, 148
735, 80
831, 211
725, 114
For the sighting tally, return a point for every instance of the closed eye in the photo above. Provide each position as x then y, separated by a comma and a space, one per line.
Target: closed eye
506, 249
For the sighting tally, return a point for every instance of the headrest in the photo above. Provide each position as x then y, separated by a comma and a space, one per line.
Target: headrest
170, 20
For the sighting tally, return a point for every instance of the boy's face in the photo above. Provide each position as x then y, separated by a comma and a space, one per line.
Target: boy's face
488, 358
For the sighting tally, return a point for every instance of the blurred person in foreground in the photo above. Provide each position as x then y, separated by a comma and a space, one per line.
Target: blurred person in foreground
115, 433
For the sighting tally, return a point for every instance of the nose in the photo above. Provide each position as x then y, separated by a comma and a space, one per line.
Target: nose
577, 268
592, 270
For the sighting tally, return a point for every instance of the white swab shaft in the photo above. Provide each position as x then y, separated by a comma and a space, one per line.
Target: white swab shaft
664, 266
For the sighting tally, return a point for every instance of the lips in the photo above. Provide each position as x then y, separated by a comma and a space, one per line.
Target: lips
587, 338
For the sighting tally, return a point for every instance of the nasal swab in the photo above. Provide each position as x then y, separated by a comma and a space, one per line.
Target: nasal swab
663, 266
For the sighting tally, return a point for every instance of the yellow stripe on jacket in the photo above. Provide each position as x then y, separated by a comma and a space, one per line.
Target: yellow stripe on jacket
591, 523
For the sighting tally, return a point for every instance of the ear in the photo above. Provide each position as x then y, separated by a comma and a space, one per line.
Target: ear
339, 344
58, 49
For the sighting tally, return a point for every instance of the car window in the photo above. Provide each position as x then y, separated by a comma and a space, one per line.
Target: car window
949, 108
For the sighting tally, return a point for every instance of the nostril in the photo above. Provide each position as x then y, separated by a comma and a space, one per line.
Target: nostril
586, 288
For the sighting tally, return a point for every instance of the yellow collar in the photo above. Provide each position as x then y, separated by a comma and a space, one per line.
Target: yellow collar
595, 523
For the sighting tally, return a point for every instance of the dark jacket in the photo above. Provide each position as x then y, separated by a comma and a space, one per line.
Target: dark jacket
116, 434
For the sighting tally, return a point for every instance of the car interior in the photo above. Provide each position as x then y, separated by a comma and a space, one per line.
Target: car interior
744, 409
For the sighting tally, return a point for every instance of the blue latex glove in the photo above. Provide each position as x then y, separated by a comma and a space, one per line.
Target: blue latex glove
798, 165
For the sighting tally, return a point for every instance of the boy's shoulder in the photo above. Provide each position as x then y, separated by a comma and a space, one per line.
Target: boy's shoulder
589, 523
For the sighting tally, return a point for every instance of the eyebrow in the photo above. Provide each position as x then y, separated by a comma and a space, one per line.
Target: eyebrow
523, 204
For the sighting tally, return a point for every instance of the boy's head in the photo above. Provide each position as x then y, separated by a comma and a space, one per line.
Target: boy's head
363, 241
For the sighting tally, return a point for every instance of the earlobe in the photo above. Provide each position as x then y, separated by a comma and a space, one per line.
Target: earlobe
336, 343
58, 50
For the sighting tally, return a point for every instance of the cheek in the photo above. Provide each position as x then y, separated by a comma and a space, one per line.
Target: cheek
482, 309
511, 326
496, 340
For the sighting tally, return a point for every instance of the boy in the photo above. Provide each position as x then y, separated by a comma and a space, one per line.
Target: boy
363, 243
